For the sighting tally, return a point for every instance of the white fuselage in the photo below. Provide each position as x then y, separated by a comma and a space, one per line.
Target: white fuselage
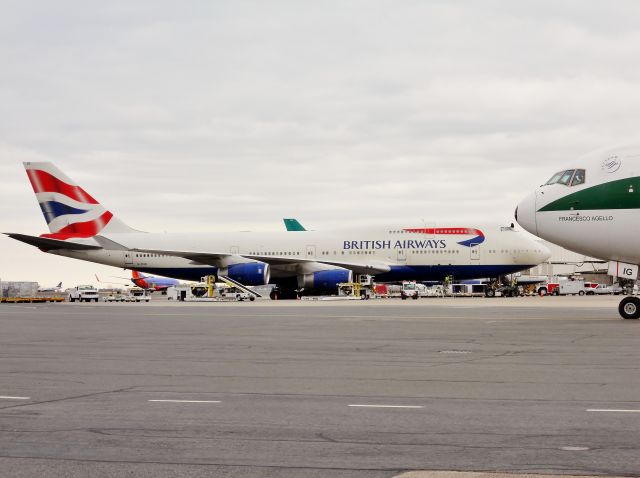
599, 216
405, 255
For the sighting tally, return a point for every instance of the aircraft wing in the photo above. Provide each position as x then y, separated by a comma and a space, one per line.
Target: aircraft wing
50, 244
364, 268
214, 260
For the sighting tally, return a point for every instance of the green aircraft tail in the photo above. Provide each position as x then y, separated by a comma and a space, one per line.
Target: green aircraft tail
293, 225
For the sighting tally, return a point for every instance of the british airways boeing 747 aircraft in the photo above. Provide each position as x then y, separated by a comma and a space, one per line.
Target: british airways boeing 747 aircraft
81, 228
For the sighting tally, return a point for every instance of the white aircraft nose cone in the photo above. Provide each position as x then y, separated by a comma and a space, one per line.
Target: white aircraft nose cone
526, 214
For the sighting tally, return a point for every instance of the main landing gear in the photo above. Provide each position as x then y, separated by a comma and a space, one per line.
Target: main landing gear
629, 308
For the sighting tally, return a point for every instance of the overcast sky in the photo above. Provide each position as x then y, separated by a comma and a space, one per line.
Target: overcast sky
230, 115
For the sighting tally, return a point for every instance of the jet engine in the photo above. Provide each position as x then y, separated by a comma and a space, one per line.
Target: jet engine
325, 280
248, 273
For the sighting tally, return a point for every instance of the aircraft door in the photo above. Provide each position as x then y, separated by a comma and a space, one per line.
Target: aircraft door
128, 259
401, 256
311, 251
474, 250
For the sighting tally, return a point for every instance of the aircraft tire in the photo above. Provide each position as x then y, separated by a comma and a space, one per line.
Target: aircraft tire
629, 308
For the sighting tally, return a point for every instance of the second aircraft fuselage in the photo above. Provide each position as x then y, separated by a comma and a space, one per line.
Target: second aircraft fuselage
591, 207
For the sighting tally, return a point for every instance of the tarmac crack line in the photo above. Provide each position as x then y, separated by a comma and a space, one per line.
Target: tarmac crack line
238, 465
67, 398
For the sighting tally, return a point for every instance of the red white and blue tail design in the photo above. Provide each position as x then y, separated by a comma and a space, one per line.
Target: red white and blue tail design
70, 212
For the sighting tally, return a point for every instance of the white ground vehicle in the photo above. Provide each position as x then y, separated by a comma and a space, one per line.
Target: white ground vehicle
83, 293
114, 298
207, 292
570, 287
234, 292
137, 294
188, 292
602, 289
409, 290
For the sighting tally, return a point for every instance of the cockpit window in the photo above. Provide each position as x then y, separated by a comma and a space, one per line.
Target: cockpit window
564, 177
554, 178
579, 177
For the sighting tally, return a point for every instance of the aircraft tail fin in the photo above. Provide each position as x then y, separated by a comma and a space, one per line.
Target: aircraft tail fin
293, 225
70, 212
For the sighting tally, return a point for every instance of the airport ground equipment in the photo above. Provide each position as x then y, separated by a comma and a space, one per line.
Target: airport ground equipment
187, 292
242, 291
30, 300
437, 290
409, 290
14, 292
503, 286
208, 290
468, 290
570, 287
137, 294
362, 288
13, 289
83, 293
602, 289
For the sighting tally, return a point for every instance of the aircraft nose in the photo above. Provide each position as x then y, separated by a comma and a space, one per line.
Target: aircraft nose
526, 214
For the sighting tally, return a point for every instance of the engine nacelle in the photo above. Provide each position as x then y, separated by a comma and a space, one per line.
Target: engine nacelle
325, 280
248, 273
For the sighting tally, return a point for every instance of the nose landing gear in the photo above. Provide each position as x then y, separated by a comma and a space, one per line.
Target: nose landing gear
629, 308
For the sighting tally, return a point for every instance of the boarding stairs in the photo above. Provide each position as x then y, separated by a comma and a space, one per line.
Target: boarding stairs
234, 283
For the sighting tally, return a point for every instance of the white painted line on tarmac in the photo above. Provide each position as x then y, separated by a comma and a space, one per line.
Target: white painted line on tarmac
186, 401
612, 410
4, 397
386, 406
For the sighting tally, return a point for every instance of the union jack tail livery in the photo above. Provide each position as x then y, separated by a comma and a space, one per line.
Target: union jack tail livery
70, 212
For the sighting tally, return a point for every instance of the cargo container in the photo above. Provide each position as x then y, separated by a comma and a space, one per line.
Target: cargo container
13, 289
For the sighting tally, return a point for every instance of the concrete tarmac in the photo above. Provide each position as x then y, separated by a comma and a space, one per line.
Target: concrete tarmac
310, 389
